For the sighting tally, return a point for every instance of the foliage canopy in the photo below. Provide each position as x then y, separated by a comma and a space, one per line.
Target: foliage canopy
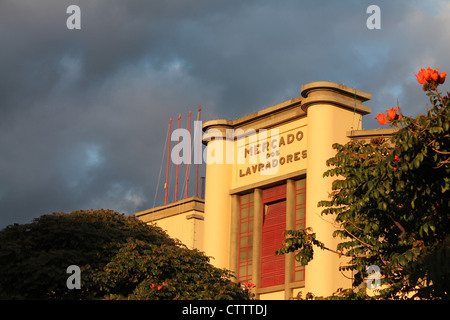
119, 256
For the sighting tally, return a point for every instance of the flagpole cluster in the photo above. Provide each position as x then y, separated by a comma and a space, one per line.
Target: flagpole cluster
178, 158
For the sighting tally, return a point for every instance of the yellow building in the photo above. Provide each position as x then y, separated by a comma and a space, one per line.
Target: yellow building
264, 175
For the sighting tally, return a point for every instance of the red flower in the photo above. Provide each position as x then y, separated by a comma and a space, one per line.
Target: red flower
159, 287
420, 78
427, 73
434, 74
397, 158
381, 118
392, 113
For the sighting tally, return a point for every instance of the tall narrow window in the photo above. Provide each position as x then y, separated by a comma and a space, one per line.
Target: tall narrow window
274, 225
300, 208
245, 238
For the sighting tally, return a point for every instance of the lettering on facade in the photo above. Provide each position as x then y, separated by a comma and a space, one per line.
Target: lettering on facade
270, 152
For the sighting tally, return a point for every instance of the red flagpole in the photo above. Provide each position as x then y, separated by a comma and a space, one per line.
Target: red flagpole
188, 157
168, 157
178, 155
198, 148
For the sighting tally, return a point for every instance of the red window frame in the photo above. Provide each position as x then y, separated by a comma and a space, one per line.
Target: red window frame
245, 258
275, 274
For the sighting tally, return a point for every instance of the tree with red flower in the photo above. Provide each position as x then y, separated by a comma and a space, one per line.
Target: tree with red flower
391, 200
430, 78
390, 116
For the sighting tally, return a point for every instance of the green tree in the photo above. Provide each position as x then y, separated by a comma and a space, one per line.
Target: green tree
392, 203
119, 256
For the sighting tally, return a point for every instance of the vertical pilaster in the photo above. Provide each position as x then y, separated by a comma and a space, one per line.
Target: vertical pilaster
290, 225
332, 110
234, 236
257, 233
217, 197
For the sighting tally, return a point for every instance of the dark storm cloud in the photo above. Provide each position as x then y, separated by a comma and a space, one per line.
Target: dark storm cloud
84, 113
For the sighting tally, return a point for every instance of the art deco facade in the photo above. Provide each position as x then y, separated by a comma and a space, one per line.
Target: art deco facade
264, 175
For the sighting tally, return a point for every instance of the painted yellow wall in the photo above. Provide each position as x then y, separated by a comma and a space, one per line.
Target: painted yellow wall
188, 231
181, 220
327, 125
217, 202
330, 117
278, 295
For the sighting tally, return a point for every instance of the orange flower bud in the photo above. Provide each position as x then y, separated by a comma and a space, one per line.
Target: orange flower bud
442, 77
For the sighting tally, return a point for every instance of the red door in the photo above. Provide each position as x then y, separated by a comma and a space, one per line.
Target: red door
274, 224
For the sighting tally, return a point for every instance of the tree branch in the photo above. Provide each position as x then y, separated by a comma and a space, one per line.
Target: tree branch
354, 225
441, 152
366, 244
396, 223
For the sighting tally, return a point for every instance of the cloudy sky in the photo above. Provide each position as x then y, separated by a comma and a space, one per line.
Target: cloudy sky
84, 113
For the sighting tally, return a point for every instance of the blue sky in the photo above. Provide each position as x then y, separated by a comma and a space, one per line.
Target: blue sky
84, 113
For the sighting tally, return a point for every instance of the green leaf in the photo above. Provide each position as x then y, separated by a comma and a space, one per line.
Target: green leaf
446, 125
425, 228
402, 260
416, 163
432, 227
409, 255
